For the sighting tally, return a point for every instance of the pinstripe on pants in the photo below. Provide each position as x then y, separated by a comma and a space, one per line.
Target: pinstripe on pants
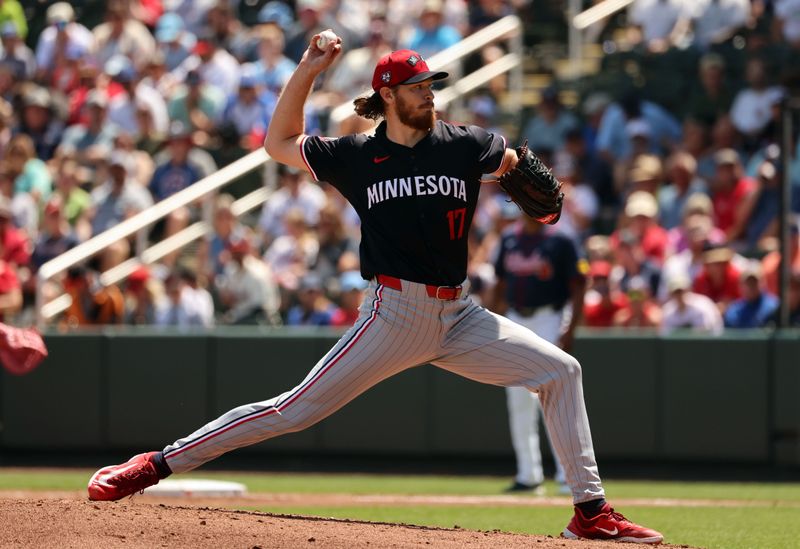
397, 330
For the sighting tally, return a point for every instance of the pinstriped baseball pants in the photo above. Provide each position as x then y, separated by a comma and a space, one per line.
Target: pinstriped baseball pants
397, 330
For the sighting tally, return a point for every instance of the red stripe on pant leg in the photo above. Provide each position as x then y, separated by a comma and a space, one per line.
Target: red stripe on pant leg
270, 411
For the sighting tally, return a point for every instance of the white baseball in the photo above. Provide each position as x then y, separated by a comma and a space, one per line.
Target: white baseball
325, 37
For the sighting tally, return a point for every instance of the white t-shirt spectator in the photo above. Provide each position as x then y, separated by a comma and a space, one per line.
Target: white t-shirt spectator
221, 71
657, 17
135, 42
310, 199
752, 109
252, 288
715, 18
700, 313
788, 11
78, 36
122, 110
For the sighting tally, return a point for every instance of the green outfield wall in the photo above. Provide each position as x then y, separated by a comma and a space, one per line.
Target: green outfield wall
732, 399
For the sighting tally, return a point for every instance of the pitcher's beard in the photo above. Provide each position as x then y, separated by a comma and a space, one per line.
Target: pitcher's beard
415, 118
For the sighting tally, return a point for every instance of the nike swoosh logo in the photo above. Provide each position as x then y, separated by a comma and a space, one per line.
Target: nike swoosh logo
613, 532
103, 480
379, 159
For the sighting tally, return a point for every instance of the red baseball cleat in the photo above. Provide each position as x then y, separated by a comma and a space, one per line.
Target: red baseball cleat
609, 525
117, 481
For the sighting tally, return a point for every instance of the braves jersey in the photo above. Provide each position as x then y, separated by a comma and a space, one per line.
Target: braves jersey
415, 203
537, 268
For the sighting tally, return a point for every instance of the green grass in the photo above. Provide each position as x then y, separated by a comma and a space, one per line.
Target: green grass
708, 527
768, 518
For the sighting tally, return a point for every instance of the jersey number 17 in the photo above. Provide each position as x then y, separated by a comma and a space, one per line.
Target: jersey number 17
456, 220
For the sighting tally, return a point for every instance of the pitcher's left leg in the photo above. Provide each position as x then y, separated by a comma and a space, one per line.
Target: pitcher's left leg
491, 349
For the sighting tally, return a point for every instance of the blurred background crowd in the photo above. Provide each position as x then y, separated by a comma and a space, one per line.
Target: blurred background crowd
669, 154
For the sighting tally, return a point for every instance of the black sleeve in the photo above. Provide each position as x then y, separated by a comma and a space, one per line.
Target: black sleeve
325, 158
491, 148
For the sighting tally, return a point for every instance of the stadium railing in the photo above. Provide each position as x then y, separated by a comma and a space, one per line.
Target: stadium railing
506, 29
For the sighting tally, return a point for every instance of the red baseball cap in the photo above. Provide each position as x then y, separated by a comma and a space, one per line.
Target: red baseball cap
402, 67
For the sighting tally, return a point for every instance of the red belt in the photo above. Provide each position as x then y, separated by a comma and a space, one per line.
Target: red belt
445, 293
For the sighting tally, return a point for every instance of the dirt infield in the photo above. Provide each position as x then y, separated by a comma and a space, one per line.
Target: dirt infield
46, 522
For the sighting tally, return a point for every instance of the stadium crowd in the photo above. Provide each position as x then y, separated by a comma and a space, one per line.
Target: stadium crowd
671, 192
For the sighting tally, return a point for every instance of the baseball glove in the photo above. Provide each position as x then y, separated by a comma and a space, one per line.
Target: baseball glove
532, 186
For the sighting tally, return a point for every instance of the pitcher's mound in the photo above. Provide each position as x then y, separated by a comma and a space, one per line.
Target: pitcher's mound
63, 523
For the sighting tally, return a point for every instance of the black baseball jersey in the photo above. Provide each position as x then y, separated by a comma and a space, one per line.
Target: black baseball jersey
537, 268
415, 203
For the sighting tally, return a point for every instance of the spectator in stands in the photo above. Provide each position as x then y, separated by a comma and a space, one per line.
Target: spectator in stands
712, 94
224, 27
143, 295
313, 16
98, 130
313, 308
198, 297
75, 201
656, 22
615, 143
174, 41
752, 108
686, 254
640, 311
431, 34
24, 209
643, 172
132, 94
92, 303
121, 34
732, 194
334, 244
272, 67
719, 277
756, 306
192, 12
352, 74
118, 198
213, 252
761, 226
61, 32
29, 172
633, 266
715, 21
688, 310
216, 66
580, 202
292, 254
641, 211
10, 291
247, 289
14, 246
11, 12
39, 122
697, 142
56, 236
682, 183
794, 301
16, 53
175, 172
603, 300
549, 127
176, 310
250, 110
295, 192
196, 105
351, 286
67, 75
